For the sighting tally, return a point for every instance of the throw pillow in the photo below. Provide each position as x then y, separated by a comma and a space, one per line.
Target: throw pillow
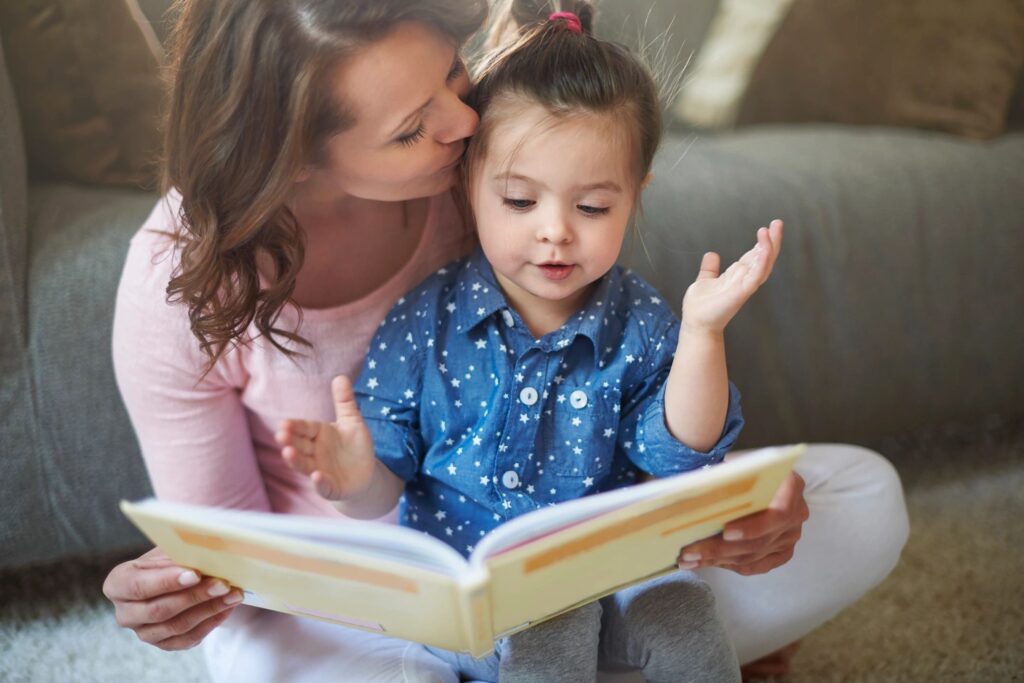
86, 74
944, 65
718, 76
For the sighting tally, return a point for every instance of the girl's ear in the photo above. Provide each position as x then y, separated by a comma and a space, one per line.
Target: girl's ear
304, 174
647, 178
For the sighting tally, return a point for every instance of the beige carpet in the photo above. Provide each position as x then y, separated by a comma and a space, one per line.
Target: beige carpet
953, 610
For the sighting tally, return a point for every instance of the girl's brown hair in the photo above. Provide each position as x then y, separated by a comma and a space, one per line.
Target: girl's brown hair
249, 108
534, 59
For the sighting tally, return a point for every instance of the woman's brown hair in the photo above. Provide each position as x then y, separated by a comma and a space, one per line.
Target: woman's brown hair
535, 59
249, 108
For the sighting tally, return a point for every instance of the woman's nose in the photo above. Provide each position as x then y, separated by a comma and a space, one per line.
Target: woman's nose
461, 121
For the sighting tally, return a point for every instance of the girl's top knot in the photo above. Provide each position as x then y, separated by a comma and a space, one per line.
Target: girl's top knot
572, 22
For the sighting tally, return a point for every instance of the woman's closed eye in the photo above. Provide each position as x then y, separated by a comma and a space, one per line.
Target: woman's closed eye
410, 139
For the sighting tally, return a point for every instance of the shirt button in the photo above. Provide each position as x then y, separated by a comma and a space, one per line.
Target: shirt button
507, 317
510, 479
528, 396
578, 399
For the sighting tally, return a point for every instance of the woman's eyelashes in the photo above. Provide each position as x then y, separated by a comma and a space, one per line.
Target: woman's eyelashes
457, 69
523, 205
410, 139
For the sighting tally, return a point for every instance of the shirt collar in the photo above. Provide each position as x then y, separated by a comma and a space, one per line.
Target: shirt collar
478, 297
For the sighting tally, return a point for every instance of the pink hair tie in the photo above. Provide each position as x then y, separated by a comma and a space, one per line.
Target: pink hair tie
572, 22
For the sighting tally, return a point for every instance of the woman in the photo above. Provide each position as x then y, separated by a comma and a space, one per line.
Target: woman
310, 150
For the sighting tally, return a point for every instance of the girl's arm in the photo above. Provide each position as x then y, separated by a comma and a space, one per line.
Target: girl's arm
697, 389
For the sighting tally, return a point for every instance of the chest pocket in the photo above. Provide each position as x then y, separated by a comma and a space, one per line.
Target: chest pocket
581, 431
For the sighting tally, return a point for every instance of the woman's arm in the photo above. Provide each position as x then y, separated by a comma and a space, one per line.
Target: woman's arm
197, 448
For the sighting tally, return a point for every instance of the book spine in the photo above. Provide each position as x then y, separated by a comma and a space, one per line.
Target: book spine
475, 612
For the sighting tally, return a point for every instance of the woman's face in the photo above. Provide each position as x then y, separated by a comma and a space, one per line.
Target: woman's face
405, 93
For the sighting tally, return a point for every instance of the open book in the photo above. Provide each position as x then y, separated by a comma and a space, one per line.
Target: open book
382, 577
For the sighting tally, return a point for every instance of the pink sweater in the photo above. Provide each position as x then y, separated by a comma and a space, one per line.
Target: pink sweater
211, 441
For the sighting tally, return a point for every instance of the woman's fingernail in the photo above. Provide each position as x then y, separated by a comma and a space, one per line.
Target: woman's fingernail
188, 578
217, 589
233, 598
732, 534
688, 565
691, 557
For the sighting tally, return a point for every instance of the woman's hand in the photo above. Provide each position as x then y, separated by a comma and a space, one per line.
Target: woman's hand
712, 300
166, 605
757, 543
338, 458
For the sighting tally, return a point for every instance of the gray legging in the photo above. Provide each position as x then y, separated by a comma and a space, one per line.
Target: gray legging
667, 628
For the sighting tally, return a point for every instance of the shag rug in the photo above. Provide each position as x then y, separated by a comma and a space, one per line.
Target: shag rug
952, 610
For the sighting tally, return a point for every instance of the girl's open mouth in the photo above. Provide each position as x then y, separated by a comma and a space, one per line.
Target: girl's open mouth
556, 271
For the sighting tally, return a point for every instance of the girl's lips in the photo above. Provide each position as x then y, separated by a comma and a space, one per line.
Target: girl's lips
556, 271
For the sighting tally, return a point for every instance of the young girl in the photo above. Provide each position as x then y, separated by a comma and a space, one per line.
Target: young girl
536, 370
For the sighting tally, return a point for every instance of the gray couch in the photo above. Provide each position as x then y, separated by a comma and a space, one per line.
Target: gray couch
894, 304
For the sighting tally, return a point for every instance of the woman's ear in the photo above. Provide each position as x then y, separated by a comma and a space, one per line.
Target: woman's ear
647, 179
304, 174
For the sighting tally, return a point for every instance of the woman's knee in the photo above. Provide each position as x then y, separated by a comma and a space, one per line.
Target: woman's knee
860, 490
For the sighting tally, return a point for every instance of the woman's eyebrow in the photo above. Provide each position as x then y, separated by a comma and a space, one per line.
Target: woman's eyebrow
419, 110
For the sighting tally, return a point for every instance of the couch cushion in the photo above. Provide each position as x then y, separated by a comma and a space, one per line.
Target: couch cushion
940, 64
22, 508
13, 198
897, 297
87, 77
86, 447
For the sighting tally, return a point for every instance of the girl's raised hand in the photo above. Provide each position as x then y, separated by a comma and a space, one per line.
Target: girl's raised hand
712, 300
338, 457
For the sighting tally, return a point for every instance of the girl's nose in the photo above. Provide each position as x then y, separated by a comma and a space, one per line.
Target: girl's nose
555, 229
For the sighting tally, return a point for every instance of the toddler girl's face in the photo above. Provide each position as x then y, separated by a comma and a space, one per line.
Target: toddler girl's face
552, 200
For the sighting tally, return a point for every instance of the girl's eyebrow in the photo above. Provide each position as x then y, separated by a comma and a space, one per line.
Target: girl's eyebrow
413, 114
603, 185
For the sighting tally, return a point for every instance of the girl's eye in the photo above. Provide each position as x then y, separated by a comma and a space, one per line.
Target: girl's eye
410, 139
457, 68
518, 204
593, 210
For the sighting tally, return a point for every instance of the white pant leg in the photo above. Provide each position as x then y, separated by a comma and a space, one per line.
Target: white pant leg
857, 528
260, 646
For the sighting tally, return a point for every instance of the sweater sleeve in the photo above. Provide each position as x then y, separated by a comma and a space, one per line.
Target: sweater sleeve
193, 431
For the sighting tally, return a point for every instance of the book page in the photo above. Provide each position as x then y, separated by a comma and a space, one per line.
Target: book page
540, 523
376, 539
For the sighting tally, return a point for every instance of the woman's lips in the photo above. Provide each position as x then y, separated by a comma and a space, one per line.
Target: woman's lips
556, 271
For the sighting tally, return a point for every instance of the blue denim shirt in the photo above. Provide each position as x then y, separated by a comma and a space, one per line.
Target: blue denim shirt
484, 422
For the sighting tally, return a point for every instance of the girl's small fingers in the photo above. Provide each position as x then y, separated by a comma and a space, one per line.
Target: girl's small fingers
300, 463
710, 265
302, 429
324, 485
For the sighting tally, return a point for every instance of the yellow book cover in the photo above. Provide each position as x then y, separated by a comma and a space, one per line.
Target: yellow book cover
385, 578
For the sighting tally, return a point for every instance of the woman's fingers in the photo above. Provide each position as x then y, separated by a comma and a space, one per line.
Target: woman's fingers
192, 638
167, 607
150, 576
179, 630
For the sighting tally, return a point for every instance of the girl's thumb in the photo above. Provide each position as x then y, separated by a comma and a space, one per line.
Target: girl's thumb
344, 398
